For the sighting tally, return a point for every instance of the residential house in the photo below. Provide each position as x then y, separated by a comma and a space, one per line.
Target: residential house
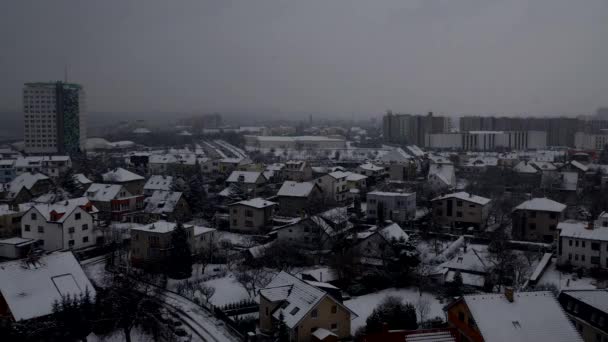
133, 182
152, 242
537, 219
175, 163
25, 187
588, 311
167, 205
10, 221
356, 181
334, 186
63, 225
305, 309
472, 264
205, 240
296, 198
394, 206
420, 335
82, 181
51, 166
228, 165
371, 170
297, 171
252, 216
251, 183
521, 316
372, 245
115, 202
582, 244
7, 170
441, 176
29, 288
158, 182
16, 247
461, 210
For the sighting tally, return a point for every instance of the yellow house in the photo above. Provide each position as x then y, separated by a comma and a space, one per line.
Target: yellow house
307, 310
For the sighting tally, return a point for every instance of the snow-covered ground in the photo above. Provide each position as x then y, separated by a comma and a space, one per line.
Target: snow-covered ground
227, 290
364, 305
565, 281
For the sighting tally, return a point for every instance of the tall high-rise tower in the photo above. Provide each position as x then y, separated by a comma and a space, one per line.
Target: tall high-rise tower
54, 117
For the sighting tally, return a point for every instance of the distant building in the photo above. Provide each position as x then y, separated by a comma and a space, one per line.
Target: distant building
167, 205
394, 206
51, 166
297, 171
158, 182
589, 141
412, 129
521, 316
311, 142
249, 183
537, 220
488, 140
252, 216
461, 210
55, 117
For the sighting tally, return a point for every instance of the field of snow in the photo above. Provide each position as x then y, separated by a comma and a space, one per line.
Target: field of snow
565, 281
364, 305
227, 290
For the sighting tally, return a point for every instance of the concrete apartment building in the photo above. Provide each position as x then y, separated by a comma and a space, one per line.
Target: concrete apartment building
394, 206
63, 225
582, 244
52, 166
412, 129
461, 210
252, 216
589, 141
309, 312
334, 186
488, 140
588, 311
54, 117
537, 220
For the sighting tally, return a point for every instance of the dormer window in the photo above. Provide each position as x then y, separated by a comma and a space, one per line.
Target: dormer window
294, 311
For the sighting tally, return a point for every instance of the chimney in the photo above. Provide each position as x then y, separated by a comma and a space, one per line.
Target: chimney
589, 225
509, 294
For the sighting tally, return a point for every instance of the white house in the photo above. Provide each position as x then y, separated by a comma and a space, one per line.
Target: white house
62, 225
395, 206
334, 186
582, 244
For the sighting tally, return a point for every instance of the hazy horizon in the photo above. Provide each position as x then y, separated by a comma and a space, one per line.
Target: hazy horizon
333, 58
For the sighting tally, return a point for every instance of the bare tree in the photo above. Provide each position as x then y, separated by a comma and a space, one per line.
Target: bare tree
423, 308
252, 279
206, 291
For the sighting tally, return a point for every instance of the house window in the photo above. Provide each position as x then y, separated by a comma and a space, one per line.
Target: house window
77, 216
40, 229
334, 326
576, 243
85, 227
461, 316
570, 243
533, 214
334, 309
27, 228
459, 214
33, 216
532, 226
552, 215
294, 311
583, 244
248, 223
552, 227
595, 260
234, 222
314, 313
459, 203
576, 257
71, 230
85, 239
595, 246
582, 257
249, 213
71, 243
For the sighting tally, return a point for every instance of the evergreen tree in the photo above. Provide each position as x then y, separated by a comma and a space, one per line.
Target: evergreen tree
455, 287
394, 313
74, 316
196, 194
180, 256
68, 183
283, 334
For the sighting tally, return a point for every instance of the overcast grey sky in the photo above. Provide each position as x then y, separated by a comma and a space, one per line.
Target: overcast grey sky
329, 56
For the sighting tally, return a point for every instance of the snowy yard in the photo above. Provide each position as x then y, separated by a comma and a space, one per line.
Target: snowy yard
227, 290
565, 281
364, 305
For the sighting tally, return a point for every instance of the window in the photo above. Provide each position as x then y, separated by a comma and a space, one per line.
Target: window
582, 257
77, 216
459, 203
595, 260
570, 243
533, 214
334, 326
234, 222
459, 214
248, 213
27, 227
595, 246
553, 215
576, 243
294, 311
85, 239
576, 257
570, 256
85, 227
552, 227
71, 230
266, 311
314, 313
532, 226
40, 229
248, 223
71, 243
334, 309
461, 316
33, 216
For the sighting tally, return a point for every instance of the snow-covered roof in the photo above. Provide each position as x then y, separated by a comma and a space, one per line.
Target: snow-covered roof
524, 167
298, 298
200, 230
465, 196
58, 212
159, 182
103, 192
415, 150
160, 227
321, 334
141, 130
579, 165
354, 177
393, 232
162, 202
244, 176
473, 261
543, 165
542, 204
370, 167
445, 172
82, 179
397, 155
25, 180
338, 174
296, 189
120, 175
390, 193
579, 230
531, 317
258, 203
594, 298
469, 279
30, 289
430, 336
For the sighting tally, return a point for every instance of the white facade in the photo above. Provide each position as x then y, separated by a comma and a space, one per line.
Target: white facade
488, 140
444, 141
73, 232
397, 206
585, 141
334, 186
299, 142
583, 244
42, 121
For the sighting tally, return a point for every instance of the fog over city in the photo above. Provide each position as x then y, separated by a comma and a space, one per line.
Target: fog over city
542, 57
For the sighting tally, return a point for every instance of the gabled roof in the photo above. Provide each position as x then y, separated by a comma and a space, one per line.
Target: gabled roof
296, 189
162, 202
465, 196
393, 232
30, 289
59, 211
338, 174
121, 175
298, 298
531, 317
525, 167
104, 192
354, 177
160, 227
159, 182
244, 177
25, 180
370, 167
445, 172
542, 204
594, 298
82, 179
397, 155
579, 230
